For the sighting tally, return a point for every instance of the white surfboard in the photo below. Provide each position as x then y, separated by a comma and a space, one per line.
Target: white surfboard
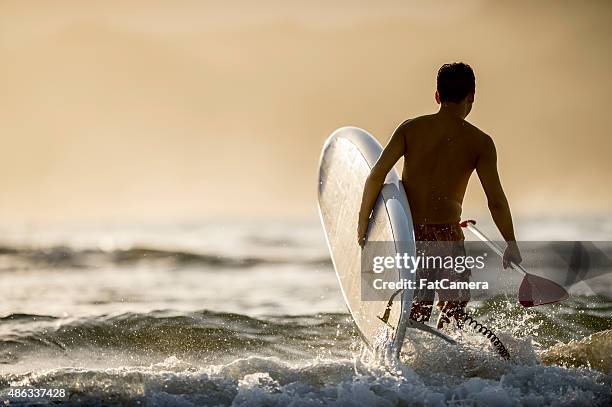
347, 158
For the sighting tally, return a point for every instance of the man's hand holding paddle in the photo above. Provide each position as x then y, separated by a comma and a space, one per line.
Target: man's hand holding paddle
512, 254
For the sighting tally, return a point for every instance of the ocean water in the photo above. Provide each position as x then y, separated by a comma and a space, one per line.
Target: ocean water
247, 313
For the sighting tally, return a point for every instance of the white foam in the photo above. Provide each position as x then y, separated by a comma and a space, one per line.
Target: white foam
270, 381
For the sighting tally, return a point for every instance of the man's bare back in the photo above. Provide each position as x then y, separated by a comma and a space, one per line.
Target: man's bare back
440, 153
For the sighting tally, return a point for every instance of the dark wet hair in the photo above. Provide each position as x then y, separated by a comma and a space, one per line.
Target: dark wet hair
455, 82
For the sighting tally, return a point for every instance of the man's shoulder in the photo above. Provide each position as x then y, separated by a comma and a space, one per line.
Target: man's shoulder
472, 129
482, 140
415, 122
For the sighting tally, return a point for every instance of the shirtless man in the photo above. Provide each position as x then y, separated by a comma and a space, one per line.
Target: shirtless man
440, 152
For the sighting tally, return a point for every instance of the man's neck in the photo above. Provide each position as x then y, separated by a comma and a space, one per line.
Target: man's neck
453, 110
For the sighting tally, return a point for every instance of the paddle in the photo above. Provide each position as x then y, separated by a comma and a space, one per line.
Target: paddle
534, 290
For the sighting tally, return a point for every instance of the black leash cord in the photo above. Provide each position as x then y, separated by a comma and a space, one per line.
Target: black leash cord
484, 331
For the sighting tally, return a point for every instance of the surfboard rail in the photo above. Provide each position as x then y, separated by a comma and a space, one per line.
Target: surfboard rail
392, 210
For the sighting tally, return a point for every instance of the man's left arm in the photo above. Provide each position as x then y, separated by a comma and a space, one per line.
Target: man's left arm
392, 152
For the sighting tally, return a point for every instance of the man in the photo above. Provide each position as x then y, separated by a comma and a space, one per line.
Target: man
440, 152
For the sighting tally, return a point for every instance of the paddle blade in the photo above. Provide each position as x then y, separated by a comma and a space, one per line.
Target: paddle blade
536, 291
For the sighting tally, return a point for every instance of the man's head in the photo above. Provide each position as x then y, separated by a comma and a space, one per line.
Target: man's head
456, 84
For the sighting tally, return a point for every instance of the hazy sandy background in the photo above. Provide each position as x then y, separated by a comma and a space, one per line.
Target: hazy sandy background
172, 110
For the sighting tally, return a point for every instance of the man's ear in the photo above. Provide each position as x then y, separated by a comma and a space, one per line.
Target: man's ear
470, 98
437, 97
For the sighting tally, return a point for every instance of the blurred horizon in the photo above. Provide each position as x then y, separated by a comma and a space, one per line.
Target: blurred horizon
162, 112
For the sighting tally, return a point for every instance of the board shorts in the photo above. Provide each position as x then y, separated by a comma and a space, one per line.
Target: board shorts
442, 240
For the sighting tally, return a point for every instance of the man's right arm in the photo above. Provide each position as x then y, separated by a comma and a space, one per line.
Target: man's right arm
486, 167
